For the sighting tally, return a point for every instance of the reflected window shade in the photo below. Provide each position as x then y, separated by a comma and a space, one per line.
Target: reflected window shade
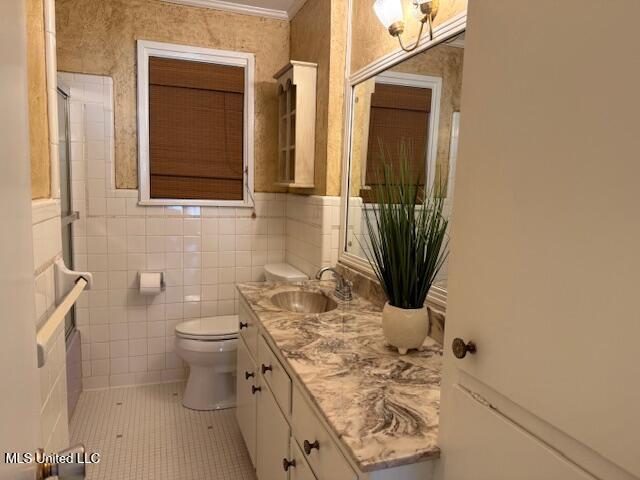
398, 113
196, 130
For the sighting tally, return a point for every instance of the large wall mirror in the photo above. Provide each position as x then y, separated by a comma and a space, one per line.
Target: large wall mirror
412, 106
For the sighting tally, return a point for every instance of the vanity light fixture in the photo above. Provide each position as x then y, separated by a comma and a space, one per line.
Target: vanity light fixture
390, 14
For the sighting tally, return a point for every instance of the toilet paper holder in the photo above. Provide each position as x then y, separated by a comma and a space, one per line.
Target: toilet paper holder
162, 282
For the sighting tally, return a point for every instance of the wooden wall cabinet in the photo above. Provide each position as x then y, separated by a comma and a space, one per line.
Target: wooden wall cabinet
296, 124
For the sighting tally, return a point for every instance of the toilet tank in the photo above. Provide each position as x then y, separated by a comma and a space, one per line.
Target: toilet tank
283, 272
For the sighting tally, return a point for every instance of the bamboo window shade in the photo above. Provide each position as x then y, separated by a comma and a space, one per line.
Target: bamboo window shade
196, 130
398, 114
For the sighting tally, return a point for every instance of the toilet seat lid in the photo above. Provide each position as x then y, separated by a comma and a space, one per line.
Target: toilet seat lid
221, 327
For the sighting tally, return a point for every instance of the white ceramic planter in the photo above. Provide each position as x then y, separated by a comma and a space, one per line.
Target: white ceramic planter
405, 328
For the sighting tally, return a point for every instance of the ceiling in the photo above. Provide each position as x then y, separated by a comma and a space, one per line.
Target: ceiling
282, 9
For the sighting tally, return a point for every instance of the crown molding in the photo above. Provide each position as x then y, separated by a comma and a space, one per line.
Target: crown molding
238, 8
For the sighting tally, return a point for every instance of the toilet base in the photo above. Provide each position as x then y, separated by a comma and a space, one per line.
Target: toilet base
209, 389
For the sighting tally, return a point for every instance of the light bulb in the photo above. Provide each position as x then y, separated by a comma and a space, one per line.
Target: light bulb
389, 12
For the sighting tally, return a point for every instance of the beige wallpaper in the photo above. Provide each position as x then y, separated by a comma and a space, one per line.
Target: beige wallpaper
318, 34
98, 37
336, 96
38, 111
370, 40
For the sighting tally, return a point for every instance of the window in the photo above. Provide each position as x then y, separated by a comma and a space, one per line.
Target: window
195, 119
399, 114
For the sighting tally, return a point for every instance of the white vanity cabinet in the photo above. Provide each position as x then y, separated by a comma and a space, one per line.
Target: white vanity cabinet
287, 436
275, 419
555, 323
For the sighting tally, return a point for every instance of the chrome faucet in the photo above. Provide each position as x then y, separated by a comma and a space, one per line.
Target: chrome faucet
343, 286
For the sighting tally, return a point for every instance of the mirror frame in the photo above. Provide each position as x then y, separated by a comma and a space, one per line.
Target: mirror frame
437, 295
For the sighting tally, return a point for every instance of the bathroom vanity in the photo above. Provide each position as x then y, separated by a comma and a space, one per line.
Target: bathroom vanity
320, 396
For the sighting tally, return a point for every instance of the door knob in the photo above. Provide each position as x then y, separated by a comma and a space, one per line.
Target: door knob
248, 375
243, 325
255, 389
460, 348
72, 470
286, 464
266, 368
310, 446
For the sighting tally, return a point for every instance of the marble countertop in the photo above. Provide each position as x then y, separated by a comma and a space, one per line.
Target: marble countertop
384, 407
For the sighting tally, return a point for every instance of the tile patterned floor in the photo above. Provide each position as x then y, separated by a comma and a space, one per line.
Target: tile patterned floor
145, 433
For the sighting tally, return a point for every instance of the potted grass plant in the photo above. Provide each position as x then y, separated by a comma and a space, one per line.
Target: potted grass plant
407, 245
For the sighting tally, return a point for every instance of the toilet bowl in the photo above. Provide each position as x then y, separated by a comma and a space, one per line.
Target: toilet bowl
283, 272
208, 345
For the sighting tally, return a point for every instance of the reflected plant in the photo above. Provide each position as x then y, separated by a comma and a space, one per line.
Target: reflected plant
407, 230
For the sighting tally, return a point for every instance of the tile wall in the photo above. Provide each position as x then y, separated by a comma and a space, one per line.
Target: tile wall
47, 248
312, 232
127, 337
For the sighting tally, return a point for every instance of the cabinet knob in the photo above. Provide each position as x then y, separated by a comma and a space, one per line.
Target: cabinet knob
266, 368
310, 446
286, 464
248, 375
255, 389
460, 348
243, 325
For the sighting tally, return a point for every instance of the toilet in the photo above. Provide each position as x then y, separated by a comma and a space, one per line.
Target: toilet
283, 272
208, 345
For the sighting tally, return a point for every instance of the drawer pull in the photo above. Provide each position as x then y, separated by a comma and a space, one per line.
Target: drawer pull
310, 446
255, 389
243, 325
286, 464
248, 375
460, 348
266, 368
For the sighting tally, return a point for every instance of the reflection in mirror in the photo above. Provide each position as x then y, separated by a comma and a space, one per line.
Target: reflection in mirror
414, 105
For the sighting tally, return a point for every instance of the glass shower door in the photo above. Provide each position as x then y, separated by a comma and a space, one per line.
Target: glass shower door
68, 216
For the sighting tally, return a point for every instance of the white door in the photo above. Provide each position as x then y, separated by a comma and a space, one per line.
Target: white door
20, 399
544, 272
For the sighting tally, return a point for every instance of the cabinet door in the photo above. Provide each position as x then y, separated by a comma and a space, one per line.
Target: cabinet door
273, 438
511, 452
544, 265
301, 469
247, 376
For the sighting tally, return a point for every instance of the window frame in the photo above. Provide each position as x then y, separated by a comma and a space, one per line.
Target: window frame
146, 49
433, 83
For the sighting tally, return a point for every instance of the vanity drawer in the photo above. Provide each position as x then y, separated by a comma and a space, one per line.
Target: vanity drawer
324, 456
248, 328
275, 375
